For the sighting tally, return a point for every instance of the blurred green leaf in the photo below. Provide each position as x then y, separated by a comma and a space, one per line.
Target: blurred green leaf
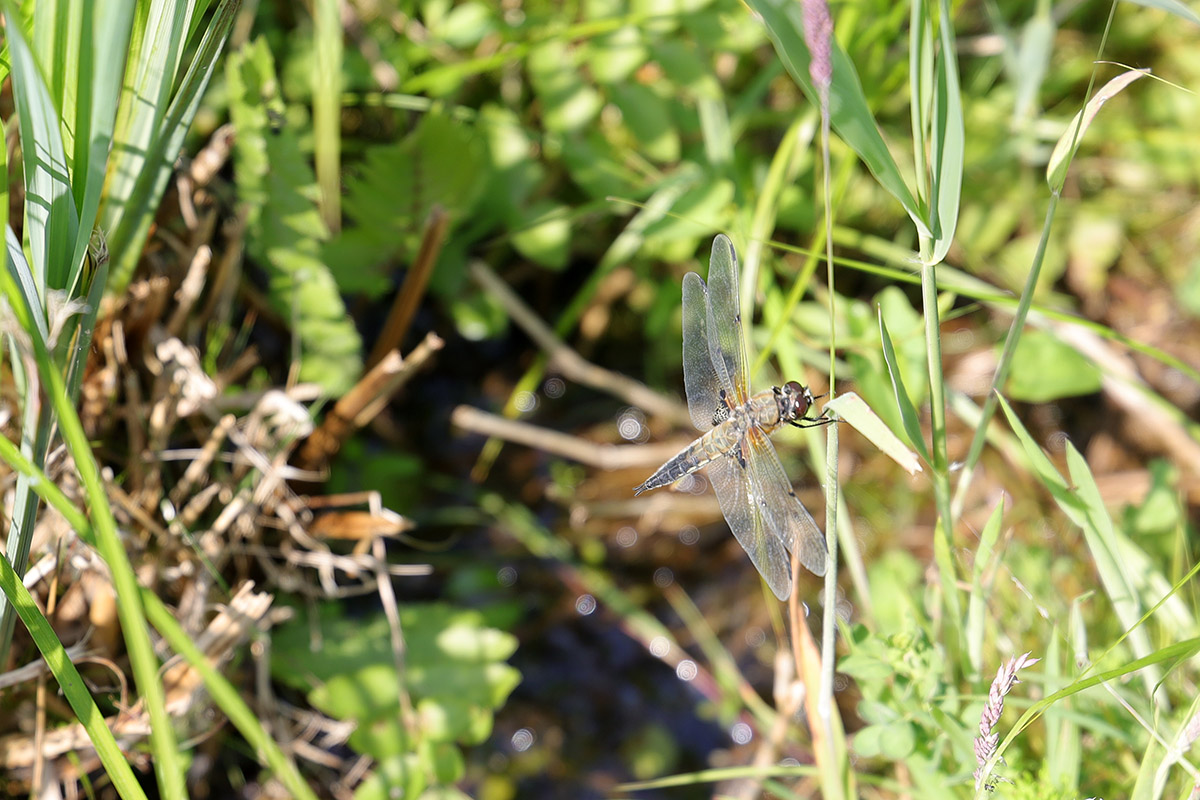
1161, 511
568, 104
897, 741
546, 237
398, 776
454, 673
614, 56
285, 228
1045, 369
646, 115
977, 605
389, 196
466, 24
697, 213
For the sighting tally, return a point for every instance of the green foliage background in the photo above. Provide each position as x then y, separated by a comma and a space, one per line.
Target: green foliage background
588, 152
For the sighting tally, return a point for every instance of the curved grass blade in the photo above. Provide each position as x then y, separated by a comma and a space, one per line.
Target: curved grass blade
70, 681
849, 113
1064, 150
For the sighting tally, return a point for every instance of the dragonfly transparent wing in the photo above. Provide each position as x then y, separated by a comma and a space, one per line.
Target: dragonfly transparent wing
785, 516
725, 342
700, 377
731, 483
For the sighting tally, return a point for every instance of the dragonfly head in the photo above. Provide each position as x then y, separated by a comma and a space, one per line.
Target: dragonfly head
794, 401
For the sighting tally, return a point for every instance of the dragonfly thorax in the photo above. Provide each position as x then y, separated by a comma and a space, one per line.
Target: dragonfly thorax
793, 400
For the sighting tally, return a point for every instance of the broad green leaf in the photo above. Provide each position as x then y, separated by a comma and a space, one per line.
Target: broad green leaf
613, 57
568, 104
451, 658
598, 167
1045, 369
399, 776
466, 24
897, 740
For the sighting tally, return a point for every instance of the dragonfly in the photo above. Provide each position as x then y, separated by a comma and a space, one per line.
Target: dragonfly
752, 488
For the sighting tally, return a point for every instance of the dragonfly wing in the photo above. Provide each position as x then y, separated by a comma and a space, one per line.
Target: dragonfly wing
725, 342
786, 517
700, 377
733, 486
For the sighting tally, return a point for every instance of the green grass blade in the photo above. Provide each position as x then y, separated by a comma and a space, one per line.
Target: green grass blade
849, 113
1006, 356
156, 50
1171, 654
1080, 501
949, 139
908, 412
132, 196
71, 683
1027, 64
1171, 7
327, 109
766, 207
226, 696
1064, 149
920, 87
107, 23
977, 604
167, 763
50, 219
35, 422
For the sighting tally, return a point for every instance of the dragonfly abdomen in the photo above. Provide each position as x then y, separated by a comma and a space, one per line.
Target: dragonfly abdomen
712, 445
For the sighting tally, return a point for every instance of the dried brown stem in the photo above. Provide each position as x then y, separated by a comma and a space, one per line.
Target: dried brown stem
413, 288
362, 403
569, 363
602, 456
